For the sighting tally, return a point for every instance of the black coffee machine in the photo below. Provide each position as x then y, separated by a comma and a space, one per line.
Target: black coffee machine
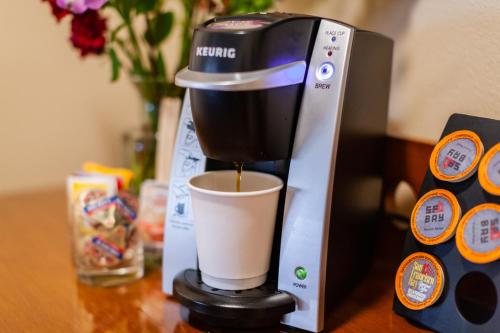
303, 98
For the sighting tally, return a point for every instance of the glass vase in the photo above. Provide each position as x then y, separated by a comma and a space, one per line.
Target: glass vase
140, 144
140, 152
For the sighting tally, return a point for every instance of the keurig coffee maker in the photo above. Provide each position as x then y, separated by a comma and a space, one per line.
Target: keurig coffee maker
302, 98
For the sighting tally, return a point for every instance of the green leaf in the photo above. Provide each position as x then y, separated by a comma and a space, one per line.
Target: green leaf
160, 66
122, 8
248, 6
144, 6
159, 28
115, 65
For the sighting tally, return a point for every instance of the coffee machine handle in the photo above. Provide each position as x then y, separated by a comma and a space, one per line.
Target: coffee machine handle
274, 77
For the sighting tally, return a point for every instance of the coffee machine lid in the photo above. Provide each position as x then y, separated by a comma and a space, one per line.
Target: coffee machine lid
241, 24
249, 21
252, 42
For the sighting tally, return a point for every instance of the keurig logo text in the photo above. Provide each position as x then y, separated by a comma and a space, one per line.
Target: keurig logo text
217, 52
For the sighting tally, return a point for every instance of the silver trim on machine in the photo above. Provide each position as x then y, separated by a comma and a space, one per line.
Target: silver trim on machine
307, 218
274, 77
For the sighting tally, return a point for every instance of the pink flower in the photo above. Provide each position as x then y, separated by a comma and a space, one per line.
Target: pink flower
80, 6
95, 4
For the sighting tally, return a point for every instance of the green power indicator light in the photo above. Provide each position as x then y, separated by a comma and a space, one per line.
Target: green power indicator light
300, 273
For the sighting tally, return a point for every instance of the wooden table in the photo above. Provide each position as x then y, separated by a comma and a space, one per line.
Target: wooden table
39, 291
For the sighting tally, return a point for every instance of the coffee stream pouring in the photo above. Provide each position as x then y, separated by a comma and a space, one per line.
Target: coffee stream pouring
239, 171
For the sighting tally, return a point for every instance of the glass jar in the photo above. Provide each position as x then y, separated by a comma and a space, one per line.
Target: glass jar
151, 217
107, 247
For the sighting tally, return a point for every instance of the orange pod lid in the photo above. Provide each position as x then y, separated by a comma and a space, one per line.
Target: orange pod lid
478, 234
489, 171
435, 217
419, 281
456, 156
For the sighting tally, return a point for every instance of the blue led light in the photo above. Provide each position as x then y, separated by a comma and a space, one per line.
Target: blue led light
325, 71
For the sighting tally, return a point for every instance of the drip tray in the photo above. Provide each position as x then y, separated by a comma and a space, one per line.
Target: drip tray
263, 306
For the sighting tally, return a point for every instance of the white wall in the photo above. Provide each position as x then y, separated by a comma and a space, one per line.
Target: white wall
446, 57
57, 110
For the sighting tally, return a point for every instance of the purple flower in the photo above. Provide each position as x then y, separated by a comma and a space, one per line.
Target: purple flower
80, 6
95, 4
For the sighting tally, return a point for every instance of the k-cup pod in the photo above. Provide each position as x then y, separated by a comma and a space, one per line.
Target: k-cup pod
489, 171
419, 281
456, 157
478, 234
234, 230
435, 217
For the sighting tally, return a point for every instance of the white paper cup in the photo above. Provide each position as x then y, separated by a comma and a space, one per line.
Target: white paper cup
234, 230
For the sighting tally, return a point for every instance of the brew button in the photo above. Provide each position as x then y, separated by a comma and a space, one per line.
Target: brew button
325, 71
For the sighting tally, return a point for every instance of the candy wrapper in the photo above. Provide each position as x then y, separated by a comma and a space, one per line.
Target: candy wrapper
122, 176
78, 183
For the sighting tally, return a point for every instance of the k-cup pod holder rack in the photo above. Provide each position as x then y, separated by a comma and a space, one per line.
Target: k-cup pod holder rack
470, 299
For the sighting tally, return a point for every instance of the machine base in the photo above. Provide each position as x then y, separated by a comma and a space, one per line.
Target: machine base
263, 306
